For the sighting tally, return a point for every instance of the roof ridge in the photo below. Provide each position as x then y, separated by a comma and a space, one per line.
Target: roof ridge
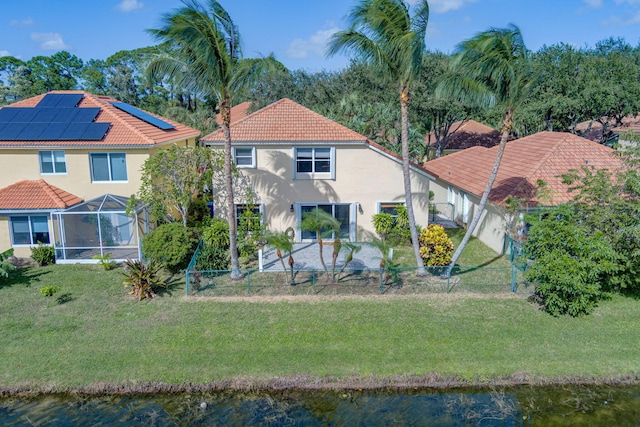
51, 192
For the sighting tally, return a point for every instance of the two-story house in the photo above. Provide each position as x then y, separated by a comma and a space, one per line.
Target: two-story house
64, 147
298, 160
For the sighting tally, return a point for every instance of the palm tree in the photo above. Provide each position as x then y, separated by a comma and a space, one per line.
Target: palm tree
319, 222
282, 242
491, 68
383, 33
207, 60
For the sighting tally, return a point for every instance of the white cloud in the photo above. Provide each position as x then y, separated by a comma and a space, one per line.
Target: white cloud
593, 3
4, 53
21, 22
317, 43
49, 41
129, 5
620, 22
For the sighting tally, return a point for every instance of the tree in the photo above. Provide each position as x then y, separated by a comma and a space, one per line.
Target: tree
207, 60
172, 178
491, 68
382, 32
320, 222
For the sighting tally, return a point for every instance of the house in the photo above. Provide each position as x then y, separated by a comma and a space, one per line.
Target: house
237, 112
64, 147
463, 134
461, 178
298, 160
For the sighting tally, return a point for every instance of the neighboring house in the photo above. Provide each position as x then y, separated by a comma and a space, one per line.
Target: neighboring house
461, 178
63, 147
297, 160
237, 112
461, 135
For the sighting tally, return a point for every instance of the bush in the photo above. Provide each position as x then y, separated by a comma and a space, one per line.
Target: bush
49, 291
383, 223
106, 261
171, 244
143, 277
43, 254
436, 248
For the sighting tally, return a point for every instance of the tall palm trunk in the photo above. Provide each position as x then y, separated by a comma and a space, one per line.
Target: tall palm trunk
507, 124
225, 112
406, 173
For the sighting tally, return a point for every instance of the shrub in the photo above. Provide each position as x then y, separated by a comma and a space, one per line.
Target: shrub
216, 233
49, 291
43, 254
436, 248
105, 261
143, 277
214, 254
171, 244
6, 266
383, 223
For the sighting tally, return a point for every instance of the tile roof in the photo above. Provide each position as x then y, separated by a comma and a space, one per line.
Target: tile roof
125, 131
542, 156
237, 112
467, 133
36, 195
285, 120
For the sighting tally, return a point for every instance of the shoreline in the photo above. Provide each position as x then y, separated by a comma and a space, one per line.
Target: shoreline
399, 383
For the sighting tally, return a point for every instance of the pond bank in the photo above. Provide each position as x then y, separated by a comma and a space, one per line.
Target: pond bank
399, 383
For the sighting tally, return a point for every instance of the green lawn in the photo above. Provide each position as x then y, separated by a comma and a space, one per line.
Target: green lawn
100, 334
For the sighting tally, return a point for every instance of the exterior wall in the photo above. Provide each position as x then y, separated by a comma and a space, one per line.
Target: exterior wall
23, 164
363, 178
20, 251
491, 229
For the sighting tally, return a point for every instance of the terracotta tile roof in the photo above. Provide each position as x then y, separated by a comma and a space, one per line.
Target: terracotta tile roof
542, 156
36, 195
237, 112
285, 120
467, 133
126, 130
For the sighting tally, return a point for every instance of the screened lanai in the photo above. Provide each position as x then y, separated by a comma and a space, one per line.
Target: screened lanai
98, 227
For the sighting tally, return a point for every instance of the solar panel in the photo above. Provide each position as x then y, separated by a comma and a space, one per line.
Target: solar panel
44, 115
32, 132
86, 114
25, 115
7, 114
73, 131
142, 115
54, 130
11, 131
60, 100
65, 115
96, 131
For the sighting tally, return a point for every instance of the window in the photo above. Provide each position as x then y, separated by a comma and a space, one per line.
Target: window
52, 162
341, 212
29, 230
244, 157
314, 162
389, 207
108, 166
248, 217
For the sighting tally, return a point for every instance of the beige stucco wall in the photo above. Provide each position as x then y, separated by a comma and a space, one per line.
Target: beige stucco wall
491, 228
363, 178
24, 164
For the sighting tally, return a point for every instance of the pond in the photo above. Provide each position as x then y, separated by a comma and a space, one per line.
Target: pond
518, 406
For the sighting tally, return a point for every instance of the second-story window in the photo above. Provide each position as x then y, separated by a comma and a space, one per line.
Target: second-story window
52, 162
244, 157
107, 167
314, 162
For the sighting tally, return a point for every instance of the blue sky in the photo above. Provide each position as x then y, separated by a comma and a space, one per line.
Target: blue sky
296, 30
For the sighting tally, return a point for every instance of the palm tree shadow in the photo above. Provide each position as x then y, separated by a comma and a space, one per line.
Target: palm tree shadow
463, 270
172, 284
22, 276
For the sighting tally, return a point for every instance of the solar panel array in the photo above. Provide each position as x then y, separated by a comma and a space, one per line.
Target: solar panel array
142, 115
55, 118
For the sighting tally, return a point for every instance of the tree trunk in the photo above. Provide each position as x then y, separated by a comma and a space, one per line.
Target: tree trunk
507, 123
404, 108
225, 112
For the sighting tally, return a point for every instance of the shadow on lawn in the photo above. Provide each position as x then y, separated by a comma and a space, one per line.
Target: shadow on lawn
173, 283
22, 276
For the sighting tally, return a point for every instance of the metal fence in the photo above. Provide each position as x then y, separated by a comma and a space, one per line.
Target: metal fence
400, 280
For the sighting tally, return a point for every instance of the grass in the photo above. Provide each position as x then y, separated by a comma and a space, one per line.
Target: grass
98, 334
475, 254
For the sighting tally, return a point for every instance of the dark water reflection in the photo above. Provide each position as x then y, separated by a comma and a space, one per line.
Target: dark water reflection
522, 406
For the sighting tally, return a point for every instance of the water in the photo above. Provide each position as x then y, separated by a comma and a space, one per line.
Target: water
522, 406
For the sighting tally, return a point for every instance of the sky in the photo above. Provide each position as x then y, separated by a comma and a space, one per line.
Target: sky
296, 31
